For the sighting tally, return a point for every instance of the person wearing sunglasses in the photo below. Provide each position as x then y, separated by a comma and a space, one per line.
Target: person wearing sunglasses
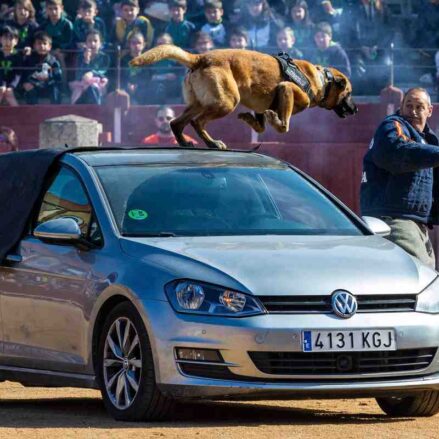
164, 135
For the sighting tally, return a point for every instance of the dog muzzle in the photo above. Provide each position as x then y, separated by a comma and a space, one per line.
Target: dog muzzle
346, 107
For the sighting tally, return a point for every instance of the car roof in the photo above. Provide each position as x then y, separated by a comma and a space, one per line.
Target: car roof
174, 155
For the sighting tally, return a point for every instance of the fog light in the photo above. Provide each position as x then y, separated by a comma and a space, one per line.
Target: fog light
192, 354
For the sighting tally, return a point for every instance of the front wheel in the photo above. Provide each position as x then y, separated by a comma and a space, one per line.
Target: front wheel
125, 369
421, 404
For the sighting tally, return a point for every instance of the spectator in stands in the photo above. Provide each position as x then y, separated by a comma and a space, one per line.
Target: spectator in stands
8, 140
302, 24
24, 22
364, 29
164, 135
327, 52
10, 64
213, 10
180, 29
135, 80
436, 61
329, 11
42, 73
425, 27
261, 24
58, 27
202, 42
87, 20
91, 72
5, 10
238, 38
285, 40
165, 82
130, 21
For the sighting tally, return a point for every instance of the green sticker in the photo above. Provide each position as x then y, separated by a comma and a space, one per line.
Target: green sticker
137, 214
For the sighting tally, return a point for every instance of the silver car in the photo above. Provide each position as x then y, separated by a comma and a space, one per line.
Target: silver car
163, 274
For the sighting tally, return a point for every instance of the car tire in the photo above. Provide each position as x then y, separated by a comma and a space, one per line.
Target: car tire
125, 369
421, 404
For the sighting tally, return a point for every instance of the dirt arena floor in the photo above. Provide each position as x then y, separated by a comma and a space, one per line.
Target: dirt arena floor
72, 413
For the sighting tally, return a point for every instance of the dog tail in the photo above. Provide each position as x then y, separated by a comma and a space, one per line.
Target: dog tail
166, 51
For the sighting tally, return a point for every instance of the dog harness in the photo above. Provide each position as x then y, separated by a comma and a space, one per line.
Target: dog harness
292, 73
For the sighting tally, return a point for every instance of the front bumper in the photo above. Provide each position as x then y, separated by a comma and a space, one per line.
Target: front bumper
235, 337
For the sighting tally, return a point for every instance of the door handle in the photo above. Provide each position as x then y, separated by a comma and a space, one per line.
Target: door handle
13, 258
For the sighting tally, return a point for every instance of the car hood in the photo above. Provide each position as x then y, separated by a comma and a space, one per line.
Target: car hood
289, 265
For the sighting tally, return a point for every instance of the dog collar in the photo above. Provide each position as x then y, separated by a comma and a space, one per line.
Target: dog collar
328, 79
292, 73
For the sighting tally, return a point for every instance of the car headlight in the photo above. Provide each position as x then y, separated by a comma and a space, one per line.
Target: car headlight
195, 297
428, 300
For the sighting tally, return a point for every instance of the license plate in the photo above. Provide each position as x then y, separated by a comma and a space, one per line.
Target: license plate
355, 340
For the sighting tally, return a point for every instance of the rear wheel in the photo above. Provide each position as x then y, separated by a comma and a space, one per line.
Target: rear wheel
420, 404
125, 369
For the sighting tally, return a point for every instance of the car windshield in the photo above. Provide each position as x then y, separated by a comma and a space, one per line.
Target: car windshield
214, 200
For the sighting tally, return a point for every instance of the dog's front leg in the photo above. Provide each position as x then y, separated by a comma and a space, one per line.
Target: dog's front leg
279, 118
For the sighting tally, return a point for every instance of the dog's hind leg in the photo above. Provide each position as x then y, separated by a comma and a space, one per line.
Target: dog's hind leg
280, 119
256, 121
178, 124
208, 114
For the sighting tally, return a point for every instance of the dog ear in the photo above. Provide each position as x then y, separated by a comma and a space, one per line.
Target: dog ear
340, 82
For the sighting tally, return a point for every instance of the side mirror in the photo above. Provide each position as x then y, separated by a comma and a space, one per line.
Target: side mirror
60, 229
377, 226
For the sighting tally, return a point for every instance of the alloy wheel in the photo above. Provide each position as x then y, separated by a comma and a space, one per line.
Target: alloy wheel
122, 363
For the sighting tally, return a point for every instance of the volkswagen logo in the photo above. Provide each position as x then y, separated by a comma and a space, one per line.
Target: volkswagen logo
344, 304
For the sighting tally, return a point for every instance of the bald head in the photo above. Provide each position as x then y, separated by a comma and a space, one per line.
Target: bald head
416, 108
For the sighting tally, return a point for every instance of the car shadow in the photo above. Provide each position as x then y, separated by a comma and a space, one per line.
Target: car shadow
90, 412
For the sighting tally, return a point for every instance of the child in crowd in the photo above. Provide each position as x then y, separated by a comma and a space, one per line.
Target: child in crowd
302, 25
327, 52
135, 79
179, 28
261, 24
213, 10
203, 42
42, 73
285, 40
130, 21
91, 72
238, 38
165, 82
10, 62
24, 22
58, 27
85, 21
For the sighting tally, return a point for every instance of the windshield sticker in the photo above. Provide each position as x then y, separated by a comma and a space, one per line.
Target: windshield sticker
138, 214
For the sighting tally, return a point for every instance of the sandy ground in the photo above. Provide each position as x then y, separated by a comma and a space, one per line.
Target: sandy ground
73, 413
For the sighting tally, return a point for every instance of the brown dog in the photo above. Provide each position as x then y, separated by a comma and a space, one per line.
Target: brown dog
219, 80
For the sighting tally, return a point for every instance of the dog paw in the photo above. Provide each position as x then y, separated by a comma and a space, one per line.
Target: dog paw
187, 145
217, 144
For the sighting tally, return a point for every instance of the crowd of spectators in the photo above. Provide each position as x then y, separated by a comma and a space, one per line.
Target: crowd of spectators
78, 50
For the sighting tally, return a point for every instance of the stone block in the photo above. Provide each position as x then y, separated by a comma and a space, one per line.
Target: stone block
72, 130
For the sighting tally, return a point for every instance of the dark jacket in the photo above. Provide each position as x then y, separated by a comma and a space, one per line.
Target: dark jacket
99, 66
398, 180
35, 64
333, 56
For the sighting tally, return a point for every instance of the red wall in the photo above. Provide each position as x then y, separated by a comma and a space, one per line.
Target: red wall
328, 148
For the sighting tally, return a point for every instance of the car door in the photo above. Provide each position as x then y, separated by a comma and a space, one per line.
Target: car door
44, 294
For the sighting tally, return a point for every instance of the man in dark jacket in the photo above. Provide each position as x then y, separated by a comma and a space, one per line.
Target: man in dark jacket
399, 184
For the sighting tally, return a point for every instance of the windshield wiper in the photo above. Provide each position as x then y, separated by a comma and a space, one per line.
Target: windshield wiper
151, 235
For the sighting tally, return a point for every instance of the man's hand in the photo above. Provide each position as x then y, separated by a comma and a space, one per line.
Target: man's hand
28, 86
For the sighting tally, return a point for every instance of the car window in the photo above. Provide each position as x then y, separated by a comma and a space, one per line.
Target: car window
66, 198
219, 200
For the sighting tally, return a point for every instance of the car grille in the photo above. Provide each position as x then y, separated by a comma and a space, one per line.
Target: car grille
336, 363
322, 304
